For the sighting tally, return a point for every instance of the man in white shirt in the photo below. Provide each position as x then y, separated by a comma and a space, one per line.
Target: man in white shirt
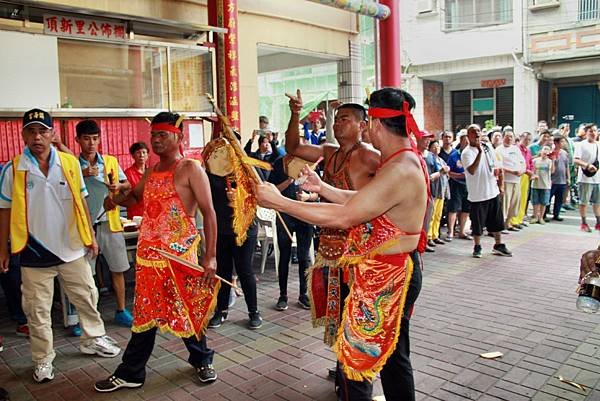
42, 205
479, 162
513, 166
101, 175
588, 179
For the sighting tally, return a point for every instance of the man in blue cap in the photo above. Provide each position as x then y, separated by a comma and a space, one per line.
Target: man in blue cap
43, 207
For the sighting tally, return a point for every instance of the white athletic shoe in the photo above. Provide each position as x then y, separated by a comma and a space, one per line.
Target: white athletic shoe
103, 346
44, 372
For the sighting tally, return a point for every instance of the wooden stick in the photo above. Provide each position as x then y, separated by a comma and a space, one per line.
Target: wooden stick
302, 180
228, 134
188, 264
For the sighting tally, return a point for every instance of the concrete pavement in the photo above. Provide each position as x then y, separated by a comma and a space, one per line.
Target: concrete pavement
522, 306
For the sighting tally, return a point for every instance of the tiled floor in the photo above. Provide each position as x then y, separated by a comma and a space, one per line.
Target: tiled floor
523, 306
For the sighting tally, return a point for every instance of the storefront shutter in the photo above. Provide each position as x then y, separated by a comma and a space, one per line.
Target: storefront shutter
504, 106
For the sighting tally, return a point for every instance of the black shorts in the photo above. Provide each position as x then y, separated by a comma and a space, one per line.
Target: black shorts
458, 201
487, 214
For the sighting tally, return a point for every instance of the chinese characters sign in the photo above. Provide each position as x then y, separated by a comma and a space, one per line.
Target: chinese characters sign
228, 17
493, 83
84, 28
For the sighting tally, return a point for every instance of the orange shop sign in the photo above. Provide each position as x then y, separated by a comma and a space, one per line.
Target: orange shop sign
493, 83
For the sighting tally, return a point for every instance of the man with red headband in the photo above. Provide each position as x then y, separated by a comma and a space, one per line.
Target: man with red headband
348, 165
169, 296
386, 227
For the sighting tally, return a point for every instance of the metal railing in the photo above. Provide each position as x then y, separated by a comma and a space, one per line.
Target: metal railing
588, 10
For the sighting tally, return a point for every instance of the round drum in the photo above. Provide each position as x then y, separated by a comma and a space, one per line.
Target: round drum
217, 157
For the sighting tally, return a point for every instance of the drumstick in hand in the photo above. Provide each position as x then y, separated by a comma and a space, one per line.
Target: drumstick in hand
189, 264
301, 180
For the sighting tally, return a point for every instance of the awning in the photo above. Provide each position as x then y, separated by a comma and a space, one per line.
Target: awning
312, 104
34, 11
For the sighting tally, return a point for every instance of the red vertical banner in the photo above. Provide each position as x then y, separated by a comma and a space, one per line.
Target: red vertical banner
230, 48
224, 14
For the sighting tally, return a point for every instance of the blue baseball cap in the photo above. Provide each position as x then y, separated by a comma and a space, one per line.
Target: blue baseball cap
38, 116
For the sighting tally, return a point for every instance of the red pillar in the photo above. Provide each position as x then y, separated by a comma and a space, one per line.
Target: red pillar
389, 46
224, 14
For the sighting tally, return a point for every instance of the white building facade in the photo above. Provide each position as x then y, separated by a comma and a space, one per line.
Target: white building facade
496, 60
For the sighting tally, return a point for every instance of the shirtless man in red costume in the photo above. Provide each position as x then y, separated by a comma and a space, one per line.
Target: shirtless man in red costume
167, 296
386, 226
349, 165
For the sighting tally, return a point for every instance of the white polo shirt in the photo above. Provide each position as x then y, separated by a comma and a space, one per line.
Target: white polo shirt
512, 159
50, 211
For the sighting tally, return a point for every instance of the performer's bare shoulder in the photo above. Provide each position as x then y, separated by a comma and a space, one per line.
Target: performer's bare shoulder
191, 184
405, 176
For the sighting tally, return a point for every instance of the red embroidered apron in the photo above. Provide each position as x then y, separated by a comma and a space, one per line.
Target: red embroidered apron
169, 295
324, 275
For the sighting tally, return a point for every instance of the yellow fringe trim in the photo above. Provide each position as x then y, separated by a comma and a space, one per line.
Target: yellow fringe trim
159, 264
257, 163
164, 328
372, 372
209, 312
244, 201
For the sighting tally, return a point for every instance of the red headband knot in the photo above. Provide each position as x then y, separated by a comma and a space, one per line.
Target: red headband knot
411, 124
165, 127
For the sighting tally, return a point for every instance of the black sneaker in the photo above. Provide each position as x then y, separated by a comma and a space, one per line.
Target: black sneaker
113, 383
304, 302
217, 320
255, 321
477, 251
281, 304
502, 250
206, 373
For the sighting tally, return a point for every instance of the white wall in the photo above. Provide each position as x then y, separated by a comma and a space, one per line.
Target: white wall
424, 41
28, 71
525, 100
547, 19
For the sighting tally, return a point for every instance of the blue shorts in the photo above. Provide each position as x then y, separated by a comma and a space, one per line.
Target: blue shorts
540, 196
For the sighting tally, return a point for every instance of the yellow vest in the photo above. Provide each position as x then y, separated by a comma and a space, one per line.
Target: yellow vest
111, 165
19, 231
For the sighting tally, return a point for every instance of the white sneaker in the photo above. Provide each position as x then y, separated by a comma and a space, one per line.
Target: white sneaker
44, 372
103, 346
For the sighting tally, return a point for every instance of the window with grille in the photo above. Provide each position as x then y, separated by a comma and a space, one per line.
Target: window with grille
467, 14
480, 105
588, 10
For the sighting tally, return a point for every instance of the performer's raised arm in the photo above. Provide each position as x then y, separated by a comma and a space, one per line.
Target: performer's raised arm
293, 145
